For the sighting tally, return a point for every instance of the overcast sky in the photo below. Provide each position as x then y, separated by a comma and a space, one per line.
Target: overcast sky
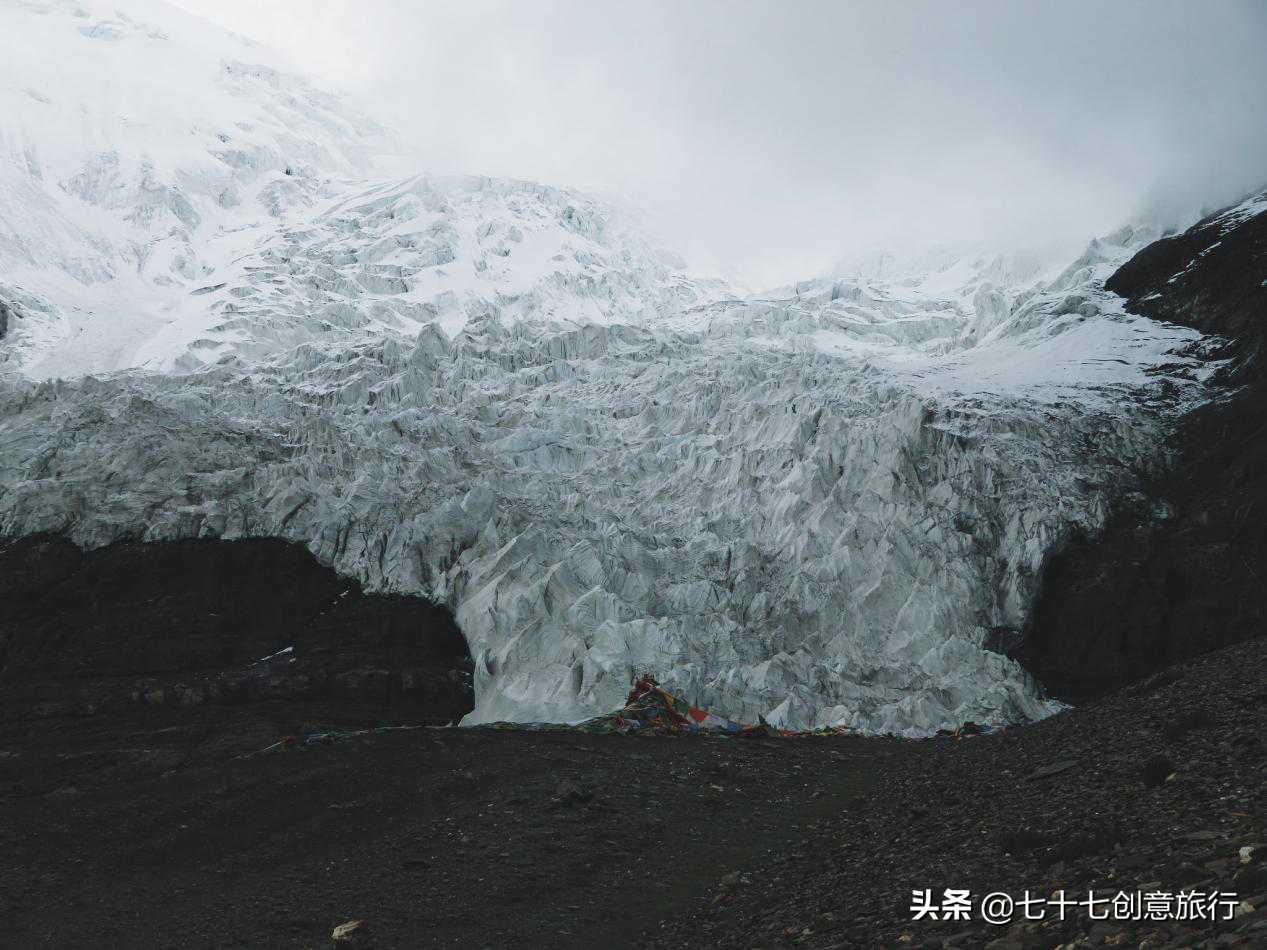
770, 139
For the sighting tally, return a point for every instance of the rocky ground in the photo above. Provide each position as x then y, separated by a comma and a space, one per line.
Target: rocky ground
434, 837
1158, 788
166, 828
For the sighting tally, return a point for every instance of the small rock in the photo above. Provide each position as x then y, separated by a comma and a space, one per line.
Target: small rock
1156, 771
569, 793
1047, 771
352, 935
1204, 835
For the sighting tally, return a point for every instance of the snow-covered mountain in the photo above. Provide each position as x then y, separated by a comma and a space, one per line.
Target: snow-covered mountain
827, 504
169, 195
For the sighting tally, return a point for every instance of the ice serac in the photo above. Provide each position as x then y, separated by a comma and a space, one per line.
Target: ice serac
830, 504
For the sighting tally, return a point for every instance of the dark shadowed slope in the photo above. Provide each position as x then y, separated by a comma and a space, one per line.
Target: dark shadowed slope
167, 640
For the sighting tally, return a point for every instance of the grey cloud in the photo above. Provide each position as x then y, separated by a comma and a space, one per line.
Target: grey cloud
775, 138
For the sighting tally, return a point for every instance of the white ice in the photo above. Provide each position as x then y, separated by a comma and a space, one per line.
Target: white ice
813, 504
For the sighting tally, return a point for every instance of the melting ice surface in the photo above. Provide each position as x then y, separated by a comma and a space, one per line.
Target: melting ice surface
821, 504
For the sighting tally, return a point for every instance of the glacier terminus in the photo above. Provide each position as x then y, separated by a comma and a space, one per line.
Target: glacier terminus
230, 314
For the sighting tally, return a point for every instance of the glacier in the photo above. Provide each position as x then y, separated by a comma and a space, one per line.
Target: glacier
228, 314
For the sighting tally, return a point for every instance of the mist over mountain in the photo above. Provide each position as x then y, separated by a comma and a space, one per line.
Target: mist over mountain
769, 141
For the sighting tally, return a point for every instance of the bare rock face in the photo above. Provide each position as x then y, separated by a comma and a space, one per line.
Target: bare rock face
1209, 277
188, 623
1181, 568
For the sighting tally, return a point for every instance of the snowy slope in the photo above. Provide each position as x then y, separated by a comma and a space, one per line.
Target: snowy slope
130, 142
168, 195
825, 504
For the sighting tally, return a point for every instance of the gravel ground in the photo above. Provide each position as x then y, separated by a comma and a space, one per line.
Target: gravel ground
1154, 790
156, 837
147, 829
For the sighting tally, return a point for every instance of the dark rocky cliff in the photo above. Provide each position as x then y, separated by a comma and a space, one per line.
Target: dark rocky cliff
1182, 569
202, 623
